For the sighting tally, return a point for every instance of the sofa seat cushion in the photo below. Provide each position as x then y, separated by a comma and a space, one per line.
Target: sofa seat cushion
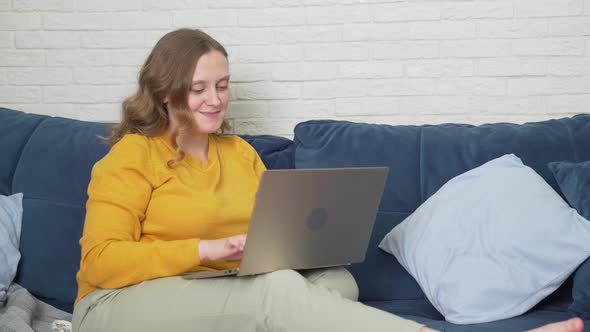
552, 309
417, 307
525, 322
521, 323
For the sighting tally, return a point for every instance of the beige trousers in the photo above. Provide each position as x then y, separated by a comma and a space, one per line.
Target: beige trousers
318, 300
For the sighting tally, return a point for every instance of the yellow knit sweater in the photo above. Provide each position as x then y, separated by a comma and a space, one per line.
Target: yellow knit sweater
144, 220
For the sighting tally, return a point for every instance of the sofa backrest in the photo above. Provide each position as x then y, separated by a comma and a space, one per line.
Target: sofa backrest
49, 159
422, 159
53, 172
15, 131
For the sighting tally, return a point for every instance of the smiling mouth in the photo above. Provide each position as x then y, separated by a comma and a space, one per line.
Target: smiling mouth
210, 113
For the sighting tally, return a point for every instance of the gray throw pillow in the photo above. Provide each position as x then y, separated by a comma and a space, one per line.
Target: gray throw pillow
11, 213
491, 243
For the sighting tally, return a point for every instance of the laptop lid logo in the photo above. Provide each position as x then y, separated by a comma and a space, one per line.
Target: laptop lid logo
317, 219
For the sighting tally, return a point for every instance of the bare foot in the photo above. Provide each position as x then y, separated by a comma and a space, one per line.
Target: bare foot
570, 325
426, 329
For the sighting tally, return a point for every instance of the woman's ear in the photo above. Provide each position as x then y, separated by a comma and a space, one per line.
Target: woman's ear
166, 100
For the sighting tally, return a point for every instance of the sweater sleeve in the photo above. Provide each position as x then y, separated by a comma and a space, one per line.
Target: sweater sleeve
118, 195
251, 154
259, 166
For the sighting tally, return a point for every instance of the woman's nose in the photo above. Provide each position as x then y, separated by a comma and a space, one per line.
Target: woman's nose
213, 98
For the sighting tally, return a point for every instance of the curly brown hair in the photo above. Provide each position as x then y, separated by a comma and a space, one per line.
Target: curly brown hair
167, 72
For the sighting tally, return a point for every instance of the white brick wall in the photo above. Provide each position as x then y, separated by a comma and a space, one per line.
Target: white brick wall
380, 61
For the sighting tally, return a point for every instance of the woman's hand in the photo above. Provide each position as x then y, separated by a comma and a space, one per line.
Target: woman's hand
229, 248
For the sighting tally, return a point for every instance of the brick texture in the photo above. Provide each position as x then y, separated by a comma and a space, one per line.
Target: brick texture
378, 61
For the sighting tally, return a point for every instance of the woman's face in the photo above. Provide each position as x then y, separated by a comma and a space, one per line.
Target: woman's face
209, 92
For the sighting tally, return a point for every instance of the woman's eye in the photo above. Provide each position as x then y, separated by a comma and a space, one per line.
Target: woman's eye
221, 88
197, 90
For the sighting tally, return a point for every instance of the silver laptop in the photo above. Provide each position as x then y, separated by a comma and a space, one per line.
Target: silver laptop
309, 218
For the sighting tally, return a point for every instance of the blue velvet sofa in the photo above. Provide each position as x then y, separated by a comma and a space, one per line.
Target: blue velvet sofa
49, 159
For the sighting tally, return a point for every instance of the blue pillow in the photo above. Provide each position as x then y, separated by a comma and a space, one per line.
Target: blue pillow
11, 212
490, 243
574, 182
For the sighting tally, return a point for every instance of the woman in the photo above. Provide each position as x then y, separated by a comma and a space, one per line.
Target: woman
173, 196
